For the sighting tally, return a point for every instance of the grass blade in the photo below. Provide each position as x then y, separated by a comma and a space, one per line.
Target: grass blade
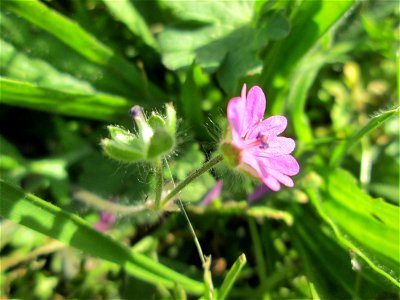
93, 106
124, 11
341, 150
231, 276
39, 215
301, 81
17, 65
83, 42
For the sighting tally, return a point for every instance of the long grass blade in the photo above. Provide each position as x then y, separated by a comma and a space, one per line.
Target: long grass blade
95, 106
39, 215
84, 43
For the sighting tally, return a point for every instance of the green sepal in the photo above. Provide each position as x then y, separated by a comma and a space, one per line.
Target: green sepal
230, 153
120, 135
122, 152
161, 144
156, 121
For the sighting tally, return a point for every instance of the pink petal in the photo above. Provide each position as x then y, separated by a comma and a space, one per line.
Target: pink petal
268, 180
285, 164
271, 182
250, 160
286, 180
255, 107
236, 117
277, 146
272, 126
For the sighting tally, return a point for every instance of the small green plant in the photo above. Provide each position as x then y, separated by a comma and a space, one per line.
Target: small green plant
291, 194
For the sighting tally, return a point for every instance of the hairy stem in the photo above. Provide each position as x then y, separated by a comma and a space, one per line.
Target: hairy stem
106, 205
207, 166
159, 182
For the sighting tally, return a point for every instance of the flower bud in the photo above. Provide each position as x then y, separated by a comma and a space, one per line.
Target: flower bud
155, 137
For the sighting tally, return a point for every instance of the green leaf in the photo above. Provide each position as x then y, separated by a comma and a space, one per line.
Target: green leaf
41, 216
341, 150
328, 266
231, 277
82, 42
218, 35
17, 65
302, 79
124, 11
95, 106
367, 226
182, 45
191, 101
311, 20
44, 52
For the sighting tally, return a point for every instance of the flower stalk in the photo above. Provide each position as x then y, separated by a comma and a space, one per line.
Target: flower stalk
159, 182
207, 166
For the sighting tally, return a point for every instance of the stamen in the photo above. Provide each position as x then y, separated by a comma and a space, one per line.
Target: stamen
261, 141
264, 139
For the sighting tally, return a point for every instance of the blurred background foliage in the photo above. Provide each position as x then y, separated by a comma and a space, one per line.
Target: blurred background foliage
69, 68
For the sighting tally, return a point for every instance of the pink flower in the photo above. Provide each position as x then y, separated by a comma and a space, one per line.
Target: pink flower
253, 144
106, 221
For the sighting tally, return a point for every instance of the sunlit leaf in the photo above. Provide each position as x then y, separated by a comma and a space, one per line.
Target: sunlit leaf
41, 216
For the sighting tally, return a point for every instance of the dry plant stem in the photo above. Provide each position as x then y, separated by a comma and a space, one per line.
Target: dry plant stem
51, 246
207, 166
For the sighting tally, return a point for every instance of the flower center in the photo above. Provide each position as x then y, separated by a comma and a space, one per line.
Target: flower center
264, 140
261, 141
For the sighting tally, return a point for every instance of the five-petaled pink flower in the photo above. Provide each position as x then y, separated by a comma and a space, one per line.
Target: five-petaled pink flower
253, 145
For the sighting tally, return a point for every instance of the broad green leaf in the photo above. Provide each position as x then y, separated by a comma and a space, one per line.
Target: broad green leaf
82, 42
342, 149
367, 226
41, 216
310, 21
124, 11
95, 106
218, 34
328, 266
